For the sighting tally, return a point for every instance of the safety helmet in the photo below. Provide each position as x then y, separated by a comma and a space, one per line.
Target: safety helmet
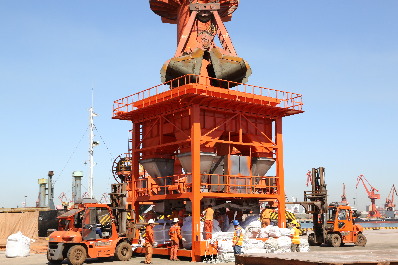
294, 222
151, 221
175, 220
235, 222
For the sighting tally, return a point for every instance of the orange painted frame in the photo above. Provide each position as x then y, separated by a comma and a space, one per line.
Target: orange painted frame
196, 195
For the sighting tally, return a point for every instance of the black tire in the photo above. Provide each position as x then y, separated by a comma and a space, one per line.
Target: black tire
361, 240
77, 255
123, 251
50, 261
335, 240
311, 240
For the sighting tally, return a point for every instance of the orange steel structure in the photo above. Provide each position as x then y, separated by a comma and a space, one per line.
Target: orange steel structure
390, 205
204, 140
372, 195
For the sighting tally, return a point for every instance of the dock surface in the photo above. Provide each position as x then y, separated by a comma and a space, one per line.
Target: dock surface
382, 249
363, 256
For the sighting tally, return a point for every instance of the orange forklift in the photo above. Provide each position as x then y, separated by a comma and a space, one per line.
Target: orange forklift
340, 227
91, 230
334, 223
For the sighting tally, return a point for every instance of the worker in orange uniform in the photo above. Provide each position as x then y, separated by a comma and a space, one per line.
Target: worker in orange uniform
209, 216
295, 247
175, 236
265, 216
237, 240
149, 241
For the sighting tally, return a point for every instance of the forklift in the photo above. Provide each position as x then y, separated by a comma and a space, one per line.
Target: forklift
93, 230
334, 223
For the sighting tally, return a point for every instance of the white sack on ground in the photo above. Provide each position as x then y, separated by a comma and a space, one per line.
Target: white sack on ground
225, 257
274, 231
284, 244
253, 220
263, 233
18, 245
304, 246
285, 231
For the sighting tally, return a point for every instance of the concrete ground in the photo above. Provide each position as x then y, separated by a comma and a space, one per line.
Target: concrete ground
378, 240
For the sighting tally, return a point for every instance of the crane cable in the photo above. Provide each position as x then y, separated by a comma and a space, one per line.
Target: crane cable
109, 152
70, 157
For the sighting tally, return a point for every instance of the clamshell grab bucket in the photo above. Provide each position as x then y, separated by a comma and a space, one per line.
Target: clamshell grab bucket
228, 67
182, 65
221, 66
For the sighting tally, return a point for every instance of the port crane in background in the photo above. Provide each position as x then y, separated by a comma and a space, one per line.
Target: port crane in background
390, 205
64, 200
104, 198
344, 197
372, 195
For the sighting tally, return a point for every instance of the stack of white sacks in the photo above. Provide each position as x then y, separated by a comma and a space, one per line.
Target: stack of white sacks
278, 241
225, 249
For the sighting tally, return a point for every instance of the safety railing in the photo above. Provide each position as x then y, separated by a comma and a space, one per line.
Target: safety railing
233, 184
284, 99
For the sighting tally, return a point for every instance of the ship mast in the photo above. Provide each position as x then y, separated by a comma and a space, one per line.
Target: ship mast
92, 143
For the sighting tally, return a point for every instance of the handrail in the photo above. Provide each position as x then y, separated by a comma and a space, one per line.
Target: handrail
285, 99
208, 183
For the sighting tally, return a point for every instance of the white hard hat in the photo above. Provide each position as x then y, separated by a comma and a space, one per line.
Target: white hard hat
151, 221
175, 220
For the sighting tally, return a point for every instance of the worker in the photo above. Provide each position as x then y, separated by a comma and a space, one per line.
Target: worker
237, 240
295, 236
149, 241
175, 236
209, 216
265, 216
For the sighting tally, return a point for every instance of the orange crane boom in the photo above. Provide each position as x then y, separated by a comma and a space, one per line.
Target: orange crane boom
372, 195
389, 205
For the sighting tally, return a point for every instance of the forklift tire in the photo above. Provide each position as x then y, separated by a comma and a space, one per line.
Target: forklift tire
123, 251
77, 255
334, 240
361, 240
50, 261
311, 240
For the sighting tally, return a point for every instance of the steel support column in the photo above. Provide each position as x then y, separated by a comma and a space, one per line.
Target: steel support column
280, 173
195, 196
135, 169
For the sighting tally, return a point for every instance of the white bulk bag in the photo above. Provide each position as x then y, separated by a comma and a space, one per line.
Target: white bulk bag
18, 245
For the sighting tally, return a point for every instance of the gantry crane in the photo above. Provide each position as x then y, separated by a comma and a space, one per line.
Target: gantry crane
344, 197
372, 195
389, 205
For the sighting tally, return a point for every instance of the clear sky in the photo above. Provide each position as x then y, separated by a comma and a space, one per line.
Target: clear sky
341, 55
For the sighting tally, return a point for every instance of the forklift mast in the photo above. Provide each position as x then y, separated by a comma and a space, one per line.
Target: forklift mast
315, 203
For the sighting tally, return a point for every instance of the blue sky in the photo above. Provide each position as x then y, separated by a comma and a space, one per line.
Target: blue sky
341, 55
